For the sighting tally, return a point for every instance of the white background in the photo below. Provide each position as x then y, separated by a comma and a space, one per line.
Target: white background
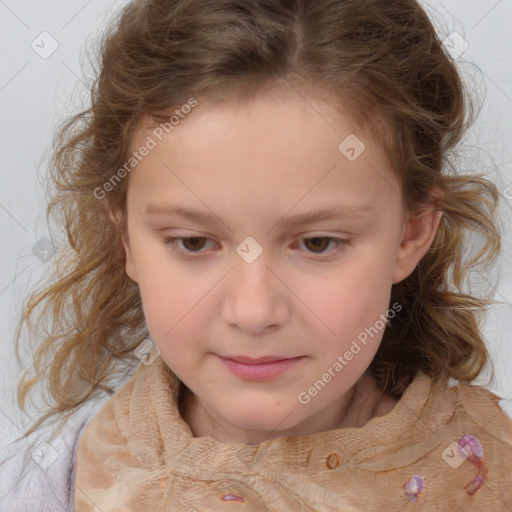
36, 93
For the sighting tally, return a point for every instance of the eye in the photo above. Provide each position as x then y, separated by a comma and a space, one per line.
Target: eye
195, 244
192, 243
318, 242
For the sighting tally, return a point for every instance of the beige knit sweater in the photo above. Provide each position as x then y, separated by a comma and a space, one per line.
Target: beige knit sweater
442, 450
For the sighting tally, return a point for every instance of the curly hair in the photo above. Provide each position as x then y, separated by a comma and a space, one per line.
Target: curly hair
382, 60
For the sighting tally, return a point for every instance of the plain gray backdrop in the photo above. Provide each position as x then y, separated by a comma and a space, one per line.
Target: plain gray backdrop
41, 82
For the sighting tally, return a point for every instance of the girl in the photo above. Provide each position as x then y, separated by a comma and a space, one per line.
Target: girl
262, 210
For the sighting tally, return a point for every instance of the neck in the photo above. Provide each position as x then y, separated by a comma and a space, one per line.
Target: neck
353, 409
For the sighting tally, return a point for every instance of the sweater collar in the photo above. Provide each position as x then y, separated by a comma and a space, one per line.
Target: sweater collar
333, 447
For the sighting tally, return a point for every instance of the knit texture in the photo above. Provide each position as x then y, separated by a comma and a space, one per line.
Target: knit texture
438, 449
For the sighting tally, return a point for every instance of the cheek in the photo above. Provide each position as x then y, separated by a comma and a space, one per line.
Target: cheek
171, 306
170, 296
348, 311
351, 298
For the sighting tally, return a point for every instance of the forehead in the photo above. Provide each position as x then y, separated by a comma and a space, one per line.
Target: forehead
293, 103
276, 149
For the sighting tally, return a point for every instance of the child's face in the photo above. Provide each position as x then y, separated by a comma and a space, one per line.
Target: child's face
253, 168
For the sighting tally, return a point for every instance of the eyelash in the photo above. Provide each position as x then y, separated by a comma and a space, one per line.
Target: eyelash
172, 243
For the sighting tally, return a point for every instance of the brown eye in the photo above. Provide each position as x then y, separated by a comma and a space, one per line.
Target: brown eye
319, 243
193, 244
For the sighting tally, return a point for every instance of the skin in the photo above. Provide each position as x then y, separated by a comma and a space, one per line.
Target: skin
254, 164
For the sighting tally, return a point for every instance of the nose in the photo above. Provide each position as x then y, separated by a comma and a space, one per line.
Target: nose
256, 299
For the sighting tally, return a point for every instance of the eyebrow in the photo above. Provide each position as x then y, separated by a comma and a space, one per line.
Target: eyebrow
316, 215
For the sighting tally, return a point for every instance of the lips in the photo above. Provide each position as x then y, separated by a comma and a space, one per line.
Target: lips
261, 368
258, 360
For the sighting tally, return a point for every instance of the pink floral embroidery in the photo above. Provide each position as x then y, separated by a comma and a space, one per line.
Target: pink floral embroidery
413, 486
232, 497
472, 447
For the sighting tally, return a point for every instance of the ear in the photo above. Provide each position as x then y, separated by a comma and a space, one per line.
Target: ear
418, 235
116, 217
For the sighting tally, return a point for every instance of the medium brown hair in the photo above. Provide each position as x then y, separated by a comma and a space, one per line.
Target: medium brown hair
381, 60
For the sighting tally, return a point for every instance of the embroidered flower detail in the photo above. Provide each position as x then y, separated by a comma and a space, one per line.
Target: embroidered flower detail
232, 497
472, 447
413, 486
